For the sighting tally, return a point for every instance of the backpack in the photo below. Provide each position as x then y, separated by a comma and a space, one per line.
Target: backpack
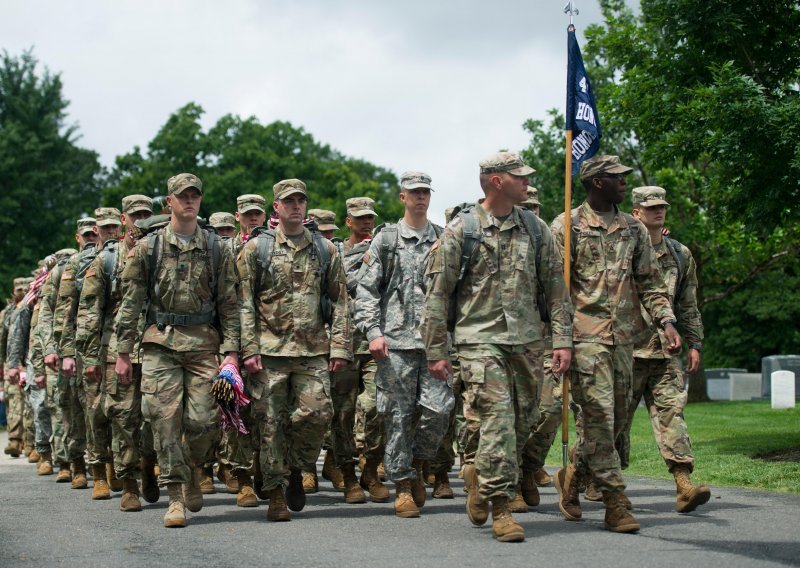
473, 236
110, 254
675, 249
265, 244
84, 262
388, 250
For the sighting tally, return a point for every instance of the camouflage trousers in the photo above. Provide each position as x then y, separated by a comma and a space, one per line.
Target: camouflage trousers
236, 449
544, 432
178, 405
345, 388
662, 383
131, 437
462, 432
98, 426
58, 439
14, 406
501, 385
28, 426
72, 401
41, 417
601, 386
370, 438
292, 405
415, 408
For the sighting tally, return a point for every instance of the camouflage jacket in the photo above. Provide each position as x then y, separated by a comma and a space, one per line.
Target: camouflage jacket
19, 328
67, 304
281, 315
5, 317
352, 256
390, 305
651, 343
181, 284
609, 266
496, 301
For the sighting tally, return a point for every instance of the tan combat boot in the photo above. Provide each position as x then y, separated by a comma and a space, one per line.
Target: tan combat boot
26, 449
504, 527
331, 472
381, 471
150, 490
592, 493
192, 496
418, 483
79, 480
441, 486
13, 448
34, 456
689, 497
176, 513
542, 478
64, 475
225, 473
404, 505
114, 483
100, 488
477, 508
45, 466
277, 510
378, 493
352, 490
310, 482
207, 481
129, 501
618, 519
517, 504
566, 481
530, 489
427, 476
247, 495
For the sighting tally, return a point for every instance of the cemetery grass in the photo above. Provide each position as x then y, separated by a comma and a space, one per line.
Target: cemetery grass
729, 440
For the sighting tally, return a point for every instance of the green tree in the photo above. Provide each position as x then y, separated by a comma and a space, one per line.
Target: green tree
47, 181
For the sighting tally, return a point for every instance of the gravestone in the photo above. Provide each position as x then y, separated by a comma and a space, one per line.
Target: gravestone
783, 389
718, 382
745, 386
779, 363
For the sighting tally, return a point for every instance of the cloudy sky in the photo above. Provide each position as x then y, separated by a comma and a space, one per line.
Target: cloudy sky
424, 85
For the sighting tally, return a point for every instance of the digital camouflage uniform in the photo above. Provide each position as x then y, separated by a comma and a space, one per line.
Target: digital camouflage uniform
13, 392
610, 265
179, 361
282, 322
415, 406
498, 333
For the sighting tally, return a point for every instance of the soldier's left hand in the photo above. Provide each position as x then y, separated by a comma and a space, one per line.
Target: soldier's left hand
68, 366
562, 359
231, 358
40, 380
673, 337
13, 376
335, 365
692, 361
94, 374
441, 369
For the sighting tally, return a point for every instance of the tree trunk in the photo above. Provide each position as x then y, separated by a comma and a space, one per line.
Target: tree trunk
697, 385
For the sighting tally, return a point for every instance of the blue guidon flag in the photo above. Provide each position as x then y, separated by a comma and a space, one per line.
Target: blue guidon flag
582, 117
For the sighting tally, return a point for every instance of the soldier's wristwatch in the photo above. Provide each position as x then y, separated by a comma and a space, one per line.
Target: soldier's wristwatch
697, 347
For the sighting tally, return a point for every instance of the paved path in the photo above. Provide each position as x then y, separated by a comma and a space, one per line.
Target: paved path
47, 524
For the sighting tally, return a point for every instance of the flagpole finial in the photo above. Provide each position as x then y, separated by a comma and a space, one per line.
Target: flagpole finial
571, 10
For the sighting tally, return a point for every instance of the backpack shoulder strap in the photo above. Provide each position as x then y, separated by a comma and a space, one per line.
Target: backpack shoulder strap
535, 234
388, 250
472, 237
265, 242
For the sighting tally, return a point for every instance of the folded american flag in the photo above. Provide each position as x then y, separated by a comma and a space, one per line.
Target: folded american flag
228, 390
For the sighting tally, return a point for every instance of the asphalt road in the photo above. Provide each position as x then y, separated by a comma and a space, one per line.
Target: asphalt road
47, 524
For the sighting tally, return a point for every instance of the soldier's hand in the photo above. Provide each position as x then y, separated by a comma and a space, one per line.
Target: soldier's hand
692, 361
40, 380
13, 376
335, 365
231, 358
124, 369
673, 337
51, 361
440, 369
253, 364
68, 366
562, 359
378, 348
94, 373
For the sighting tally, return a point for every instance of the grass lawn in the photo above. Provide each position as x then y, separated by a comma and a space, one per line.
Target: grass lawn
725, 438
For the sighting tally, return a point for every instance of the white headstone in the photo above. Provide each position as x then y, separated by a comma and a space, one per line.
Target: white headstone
782, 389
745, 386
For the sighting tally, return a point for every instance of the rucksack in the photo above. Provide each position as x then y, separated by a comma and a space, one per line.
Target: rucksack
109, 254
388, 250
473, 236
265, 244
675, 249
87, 256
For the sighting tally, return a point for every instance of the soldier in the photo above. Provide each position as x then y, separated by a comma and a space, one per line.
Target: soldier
224, 223
612, 262
292, 284
326, 222
532, 202
414, 405
187, 274
657, 373
13, 392
498, 330
250, 213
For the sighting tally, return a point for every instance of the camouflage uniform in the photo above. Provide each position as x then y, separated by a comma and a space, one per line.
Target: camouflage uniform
13, 392
498, 331
282, 323
415, 406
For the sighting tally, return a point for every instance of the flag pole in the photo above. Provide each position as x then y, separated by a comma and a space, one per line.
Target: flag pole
567, 280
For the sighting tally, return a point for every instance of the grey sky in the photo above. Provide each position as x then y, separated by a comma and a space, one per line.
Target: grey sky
420, 85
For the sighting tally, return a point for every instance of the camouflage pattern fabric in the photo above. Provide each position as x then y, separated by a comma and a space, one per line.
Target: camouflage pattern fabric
544, 432
58, 423
370, 437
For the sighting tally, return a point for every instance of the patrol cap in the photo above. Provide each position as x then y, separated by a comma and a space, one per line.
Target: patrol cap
222, 219
22, 282
250, 202
287, 187
415, 180
85, 225
360, 206
176, 184
649, 196
135, 203
533, 196
64, 253
505, 162
603, 164
107, 216
326, 220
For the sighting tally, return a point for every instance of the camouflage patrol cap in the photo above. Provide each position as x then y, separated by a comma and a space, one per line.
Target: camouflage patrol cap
22, 282
533, 197
64, 253
135, 203
326, 220
222, 219
415, 180
287, 187
176, 184
250, 202
86, 224
505, 162
603, 164
107, 216
360, 206
649, 196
